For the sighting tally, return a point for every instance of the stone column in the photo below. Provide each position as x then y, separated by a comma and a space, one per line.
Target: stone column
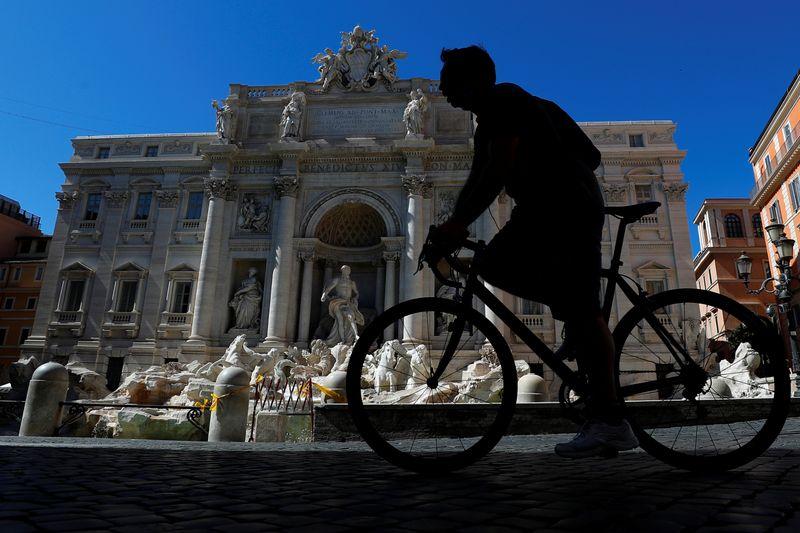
380, 283
390, 287
417, 188
151, 306
112, 219
303, 333
218, 189
286, 188
51, 293
675, 193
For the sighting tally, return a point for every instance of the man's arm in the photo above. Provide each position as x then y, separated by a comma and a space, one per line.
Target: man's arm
485, 181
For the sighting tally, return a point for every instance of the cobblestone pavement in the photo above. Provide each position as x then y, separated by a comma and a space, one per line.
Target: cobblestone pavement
87, 484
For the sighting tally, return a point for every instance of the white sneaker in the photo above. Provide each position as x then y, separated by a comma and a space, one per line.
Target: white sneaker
599, 438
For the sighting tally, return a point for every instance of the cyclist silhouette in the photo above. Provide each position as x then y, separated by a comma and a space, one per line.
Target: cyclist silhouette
549, 251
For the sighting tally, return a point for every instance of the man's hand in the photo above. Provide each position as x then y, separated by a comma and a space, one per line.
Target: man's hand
450, 235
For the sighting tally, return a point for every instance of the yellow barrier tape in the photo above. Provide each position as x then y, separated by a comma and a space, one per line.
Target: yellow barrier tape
330, 393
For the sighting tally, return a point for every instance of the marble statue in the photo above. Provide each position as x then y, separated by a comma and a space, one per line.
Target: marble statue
420, 366
224, 121
253, 215
392, 366
414, 114
246, 302
343, 308
292, 116
740, 375
359, 64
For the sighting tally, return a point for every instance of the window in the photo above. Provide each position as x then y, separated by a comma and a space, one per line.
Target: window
636, 140
775, 212
30, 304
17, 273
644, 193
39, 273
787, 134
2, 336
24, 333
127, 295
733, 226
758, 228
767, 271
25, 246
143, 202
151, 151
103, 152
2, 273
768, 165
182, 296
92, 206
531, 308
794, 193
74, 294
8, 303
654, 286
194, 207
41, 246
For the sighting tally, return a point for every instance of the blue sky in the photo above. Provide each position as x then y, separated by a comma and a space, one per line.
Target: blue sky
716, 68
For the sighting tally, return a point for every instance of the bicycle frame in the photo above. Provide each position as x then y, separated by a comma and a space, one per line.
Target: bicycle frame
473, 287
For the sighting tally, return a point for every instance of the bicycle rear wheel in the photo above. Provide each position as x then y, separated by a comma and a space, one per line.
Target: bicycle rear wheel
409, 417
722, 411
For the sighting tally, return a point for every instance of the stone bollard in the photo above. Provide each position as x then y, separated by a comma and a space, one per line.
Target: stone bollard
530, 389
229, 419
47, 389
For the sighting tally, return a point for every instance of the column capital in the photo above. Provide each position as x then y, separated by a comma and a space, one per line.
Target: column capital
417, 185
66, 200
391, 256
676, 192
219, 188
115, 199
306, 255
615, 192
168, 198
286, 185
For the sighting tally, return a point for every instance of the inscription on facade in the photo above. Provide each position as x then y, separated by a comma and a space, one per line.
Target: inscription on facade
361, 121
441, 166
314, 167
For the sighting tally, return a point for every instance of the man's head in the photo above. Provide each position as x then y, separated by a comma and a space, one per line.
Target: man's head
467, 76
252, 271
345, 271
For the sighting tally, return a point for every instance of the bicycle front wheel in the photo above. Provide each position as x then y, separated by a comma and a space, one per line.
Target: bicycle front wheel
418, 410
727, 405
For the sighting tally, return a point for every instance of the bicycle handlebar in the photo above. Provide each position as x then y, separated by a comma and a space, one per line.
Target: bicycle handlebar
431, 254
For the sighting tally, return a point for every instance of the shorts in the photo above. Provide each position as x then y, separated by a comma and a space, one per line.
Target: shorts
550, 260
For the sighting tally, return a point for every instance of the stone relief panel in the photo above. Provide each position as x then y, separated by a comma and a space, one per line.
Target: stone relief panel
661, 137
255, 213
443, 204
263, 125
177, 147
127, 148
607, 137
450, 122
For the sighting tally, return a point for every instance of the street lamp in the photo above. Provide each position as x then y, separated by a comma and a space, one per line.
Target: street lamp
774, 230
744, 267
785, 247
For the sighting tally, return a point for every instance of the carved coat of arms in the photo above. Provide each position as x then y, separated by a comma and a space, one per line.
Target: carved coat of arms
359, 64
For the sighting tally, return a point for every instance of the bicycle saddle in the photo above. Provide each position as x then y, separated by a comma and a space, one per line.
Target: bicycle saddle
633, 212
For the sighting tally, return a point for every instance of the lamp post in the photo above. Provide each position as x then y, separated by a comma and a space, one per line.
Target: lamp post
784, 251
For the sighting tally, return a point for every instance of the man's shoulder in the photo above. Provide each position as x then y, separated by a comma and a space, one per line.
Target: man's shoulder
513, 91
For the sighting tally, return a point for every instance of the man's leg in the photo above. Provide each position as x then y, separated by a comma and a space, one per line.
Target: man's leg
595, 351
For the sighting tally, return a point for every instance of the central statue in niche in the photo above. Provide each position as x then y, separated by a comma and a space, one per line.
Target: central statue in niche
246, 302
343, 308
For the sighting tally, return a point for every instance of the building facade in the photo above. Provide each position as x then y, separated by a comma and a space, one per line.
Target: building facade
775, 158
161, 238
727, 227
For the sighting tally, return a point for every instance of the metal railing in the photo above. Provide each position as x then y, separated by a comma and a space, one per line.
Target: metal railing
784, 149
13, 210
78, 409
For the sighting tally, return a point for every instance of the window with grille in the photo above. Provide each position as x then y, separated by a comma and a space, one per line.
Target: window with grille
103, 152
143, 202
758, 228
151, 151
733, 226
92, 206
636, 140
181, 297
194, 207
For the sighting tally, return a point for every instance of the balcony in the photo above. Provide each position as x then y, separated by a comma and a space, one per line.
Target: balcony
784, 150
175, 325
66, 324
542, 325
13, 210
121, 324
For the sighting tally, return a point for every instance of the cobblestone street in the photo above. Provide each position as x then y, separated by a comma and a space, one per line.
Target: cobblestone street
86, 484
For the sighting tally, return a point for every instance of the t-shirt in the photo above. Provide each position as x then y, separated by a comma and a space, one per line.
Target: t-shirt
554, 169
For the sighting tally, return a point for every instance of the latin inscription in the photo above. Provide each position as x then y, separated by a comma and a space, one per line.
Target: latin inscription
360, 121
441, 166
345, 166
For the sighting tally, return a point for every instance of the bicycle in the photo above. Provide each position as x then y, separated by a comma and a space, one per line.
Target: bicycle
443, 394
